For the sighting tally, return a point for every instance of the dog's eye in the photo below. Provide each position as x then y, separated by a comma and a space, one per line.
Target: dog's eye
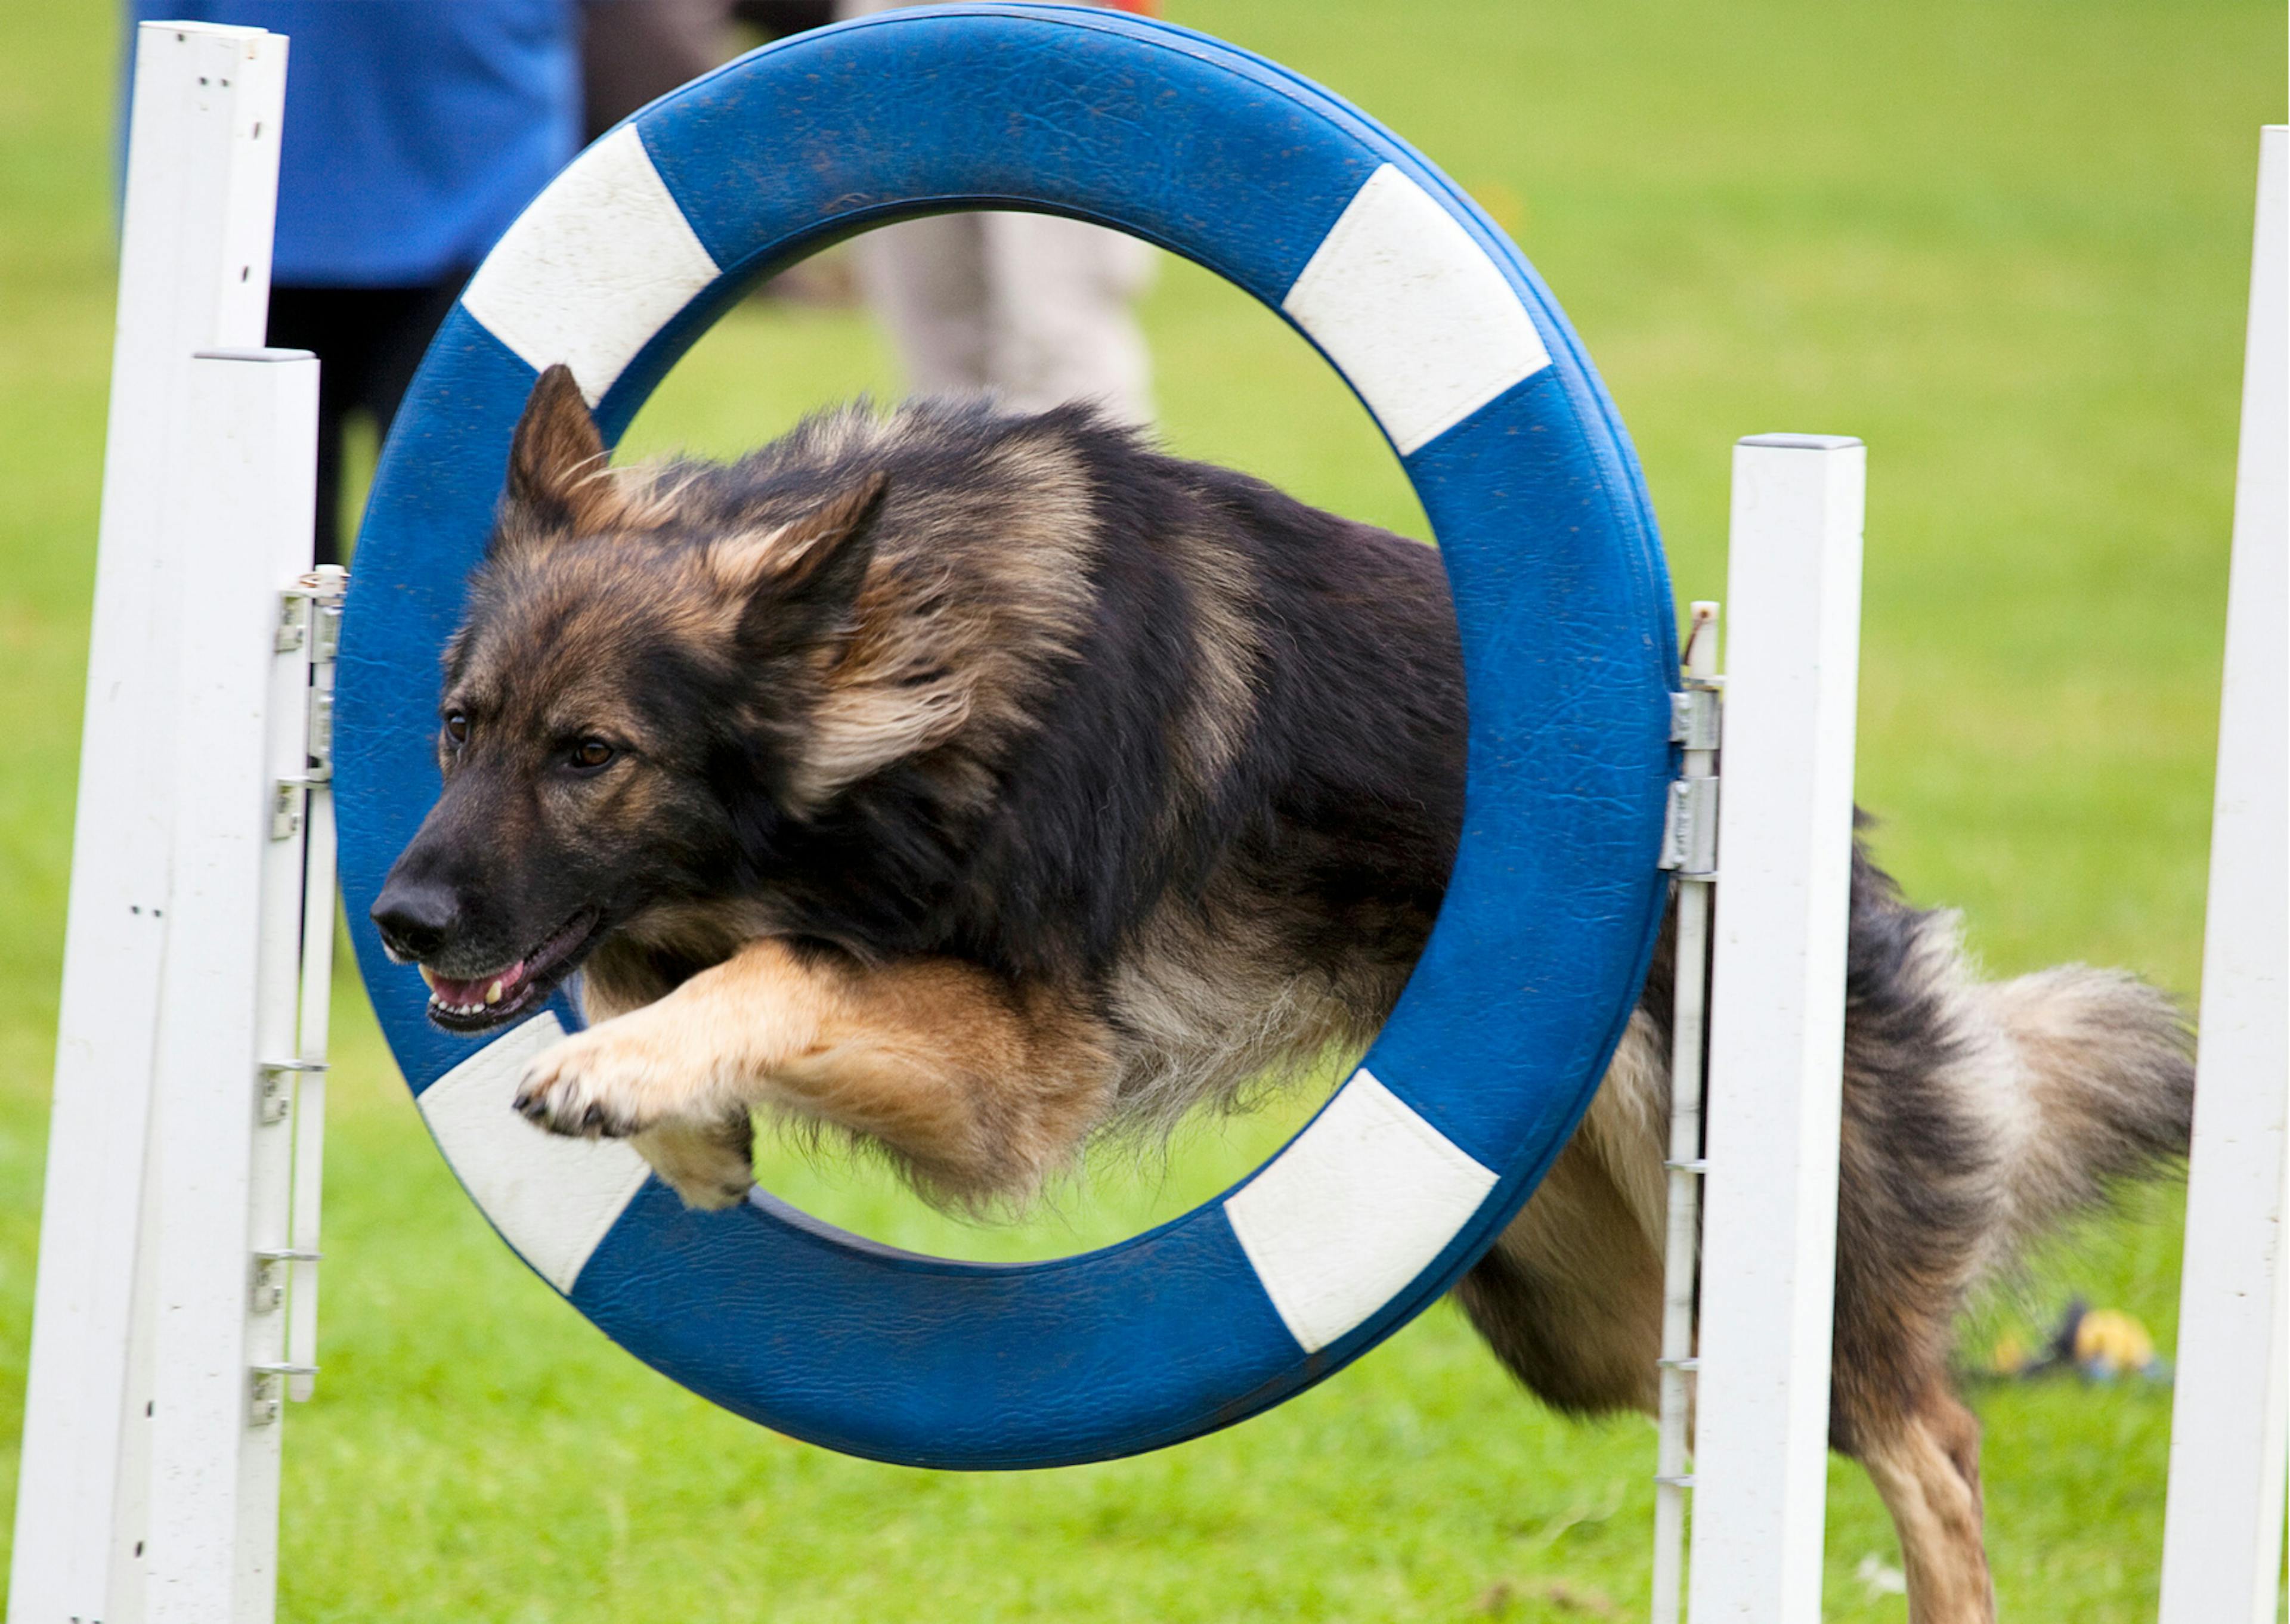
457, 727
591, 754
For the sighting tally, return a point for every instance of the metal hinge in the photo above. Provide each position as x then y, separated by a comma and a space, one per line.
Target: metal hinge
1689, 830
310, 612
318, 742
326, 584
1697, 716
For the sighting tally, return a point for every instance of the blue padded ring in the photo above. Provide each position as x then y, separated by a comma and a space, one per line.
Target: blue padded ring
1451, 340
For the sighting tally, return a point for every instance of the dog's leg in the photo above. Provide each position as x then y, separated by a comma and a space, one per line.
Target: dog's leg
1925, 1465
711, 1167
979, 1089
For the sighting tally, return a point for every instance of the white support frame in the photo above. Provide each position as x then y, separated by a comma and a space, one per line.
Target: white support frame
1691, 847
325, 585
1768, 1244
222, 1083
148, 1485
2222, 1527
1777, 1030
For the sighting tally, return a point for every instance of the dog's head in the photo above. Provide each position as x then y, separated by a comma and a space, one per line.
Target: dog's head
629, 694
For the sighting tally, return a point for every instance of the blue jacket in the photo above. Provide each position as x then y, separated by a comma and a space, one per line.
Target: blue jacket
415, 129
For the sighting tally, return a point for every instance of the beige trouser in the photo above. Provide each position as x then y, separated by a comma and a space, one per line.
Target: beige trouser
1031, 308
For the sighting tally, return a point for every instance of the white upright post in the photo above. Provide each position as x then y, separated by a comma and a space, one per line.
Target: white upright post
223, 1082
194, 272
2223, 1529
1777, 1030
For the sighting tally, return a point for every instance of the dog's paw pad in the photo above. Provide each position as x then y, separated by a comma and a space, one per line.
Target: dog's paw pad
568, 1091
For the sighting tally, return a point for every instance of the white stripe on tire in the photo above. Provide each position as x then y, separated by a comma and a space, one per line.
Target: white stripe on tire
1366, 1197
599, 263
552, 1198
1413, 312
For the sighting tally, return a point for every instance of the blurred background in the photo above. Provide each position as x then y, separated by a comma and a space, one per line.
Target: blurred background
2005, 242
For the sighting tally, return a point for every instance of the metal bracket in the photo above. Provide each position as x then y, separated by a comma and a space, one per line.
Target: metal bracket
269, 1290
328, 641
1696, 718
263, 1390
275, 1101
285, 801
294, 621
1689, 830
310, 612
318, 742
285, 810
267, 1294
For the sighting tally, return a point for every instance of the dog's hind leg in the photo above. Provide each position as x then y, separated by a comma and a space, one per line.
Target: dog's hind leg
1570, 1297
1925, 1464
978, 1087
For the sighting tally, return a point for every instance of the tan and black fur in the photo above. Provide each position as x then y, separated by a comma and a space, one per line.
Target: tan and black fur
977, 784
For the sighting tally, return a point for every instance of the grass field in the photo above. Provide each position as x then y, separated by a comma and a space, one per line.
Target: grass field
2004, 241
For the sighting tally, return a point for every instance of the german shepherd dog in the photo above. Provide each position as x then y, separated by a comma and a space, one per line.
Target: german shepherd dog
973, 783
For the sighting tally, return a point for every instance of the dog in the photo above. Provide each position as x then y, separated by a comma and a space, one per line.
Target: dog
976, 784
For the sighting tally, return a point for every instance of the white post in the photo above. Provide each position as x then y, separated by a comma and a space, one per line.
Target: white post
194, 272
1777, 1030
223, 1081
2223, 1529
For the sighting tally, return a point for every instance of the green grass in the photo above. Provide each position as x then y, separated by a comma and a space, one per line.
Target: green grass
2004, 241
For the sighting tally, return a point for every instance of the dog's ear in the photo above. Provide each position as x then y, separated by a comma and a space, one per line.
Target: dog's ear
556, 450
560, 482
796, 581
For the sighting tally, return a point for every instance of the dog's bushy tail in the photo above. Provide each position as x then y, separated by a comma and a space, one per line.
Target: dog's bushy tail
2109, 1066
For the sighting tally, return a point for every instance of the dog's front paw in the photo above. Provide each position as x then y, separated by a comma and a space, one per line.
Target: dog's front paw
613, 1080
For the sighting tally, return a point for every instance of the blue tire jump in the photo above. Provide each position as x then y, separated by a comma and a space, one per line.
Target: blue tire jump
1446, 334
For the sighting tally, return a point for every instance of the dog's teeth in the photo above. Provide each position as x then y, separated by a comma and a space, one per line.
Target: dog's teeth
428, 978
492, 995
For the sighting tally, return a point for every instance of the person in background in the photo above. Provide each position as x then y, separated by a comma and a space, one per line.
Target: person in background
415, 130
1032, 309
633, 51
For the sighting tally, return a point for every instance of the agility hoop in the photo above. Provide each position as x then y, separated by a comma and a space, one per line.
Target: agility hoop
1444, 332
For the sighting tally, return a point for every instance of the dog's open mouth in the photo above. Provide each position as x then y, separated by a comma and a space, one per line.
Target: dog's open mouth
502, 995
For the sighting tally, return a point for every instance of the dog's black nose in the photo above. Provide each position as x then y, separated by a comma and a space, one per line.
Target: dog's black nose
416, 917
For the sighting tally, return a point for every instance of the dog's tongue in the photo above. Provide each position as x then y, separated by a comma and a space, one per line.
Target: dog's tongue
475, 994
